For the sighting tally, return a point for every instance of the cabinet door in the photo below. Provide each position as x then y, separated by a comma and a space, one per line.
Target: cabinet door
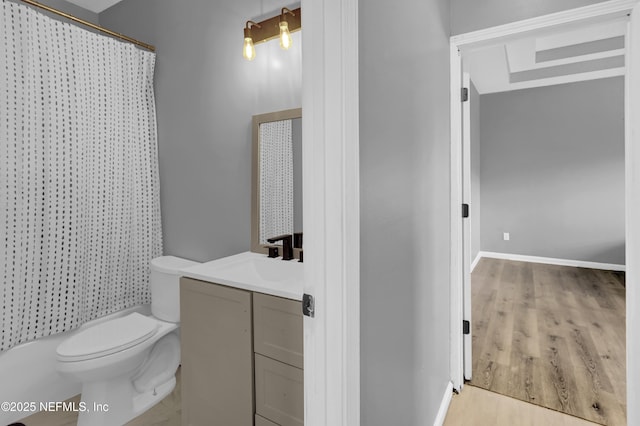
278, 328
217, 367
279, 392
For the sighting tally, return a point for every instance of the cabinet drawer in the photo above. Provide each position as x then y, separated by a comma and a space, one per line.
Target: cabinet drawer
279, 392
261, 421
277, 328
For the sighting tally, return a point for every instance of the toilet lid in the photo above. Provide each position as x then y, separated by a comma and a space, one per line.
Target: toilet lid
107, 337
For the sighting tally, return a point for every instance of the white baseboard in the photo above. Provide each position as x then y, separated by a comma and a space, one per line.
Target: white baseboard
475, 261
444, 405
550, 261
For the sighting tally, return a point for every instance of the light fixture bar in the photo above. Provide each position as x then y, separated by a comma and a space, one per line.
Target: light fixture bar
270, 28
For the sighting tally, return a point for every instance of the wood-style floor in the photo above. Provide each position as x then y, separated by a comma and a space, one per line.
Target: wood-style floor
551, 335
480, 407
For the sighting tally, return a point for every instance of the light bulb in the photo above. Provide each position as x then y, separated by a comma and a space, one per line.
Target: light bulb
248, 50
285, 35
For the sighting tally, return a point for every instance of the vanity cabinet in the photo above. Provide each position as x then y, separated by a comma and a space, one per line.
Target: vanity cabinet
242, 357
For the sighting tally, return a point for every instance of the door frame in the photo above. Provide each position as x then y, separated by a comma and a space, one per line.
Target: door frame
597, 12
330, 157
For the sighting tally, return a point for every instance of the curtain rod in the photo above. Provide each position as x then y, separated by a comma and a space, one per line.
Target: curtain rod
91, 25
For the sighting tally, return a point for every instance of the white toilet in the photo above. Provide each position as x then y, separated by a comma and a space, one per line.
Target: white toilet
128, 364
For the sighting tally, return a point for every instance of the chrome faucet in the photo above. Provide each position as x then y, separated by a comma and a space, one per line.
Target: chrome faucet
287, 249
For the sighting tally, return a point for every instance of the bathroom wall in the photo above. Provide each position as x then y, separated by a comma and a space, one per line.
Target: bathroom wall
471, 15
67, 7
552, 171
404, 196
206, 94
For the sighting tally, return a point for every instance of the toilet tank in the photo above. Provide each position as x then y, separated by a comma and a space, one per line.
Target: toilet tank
165, 286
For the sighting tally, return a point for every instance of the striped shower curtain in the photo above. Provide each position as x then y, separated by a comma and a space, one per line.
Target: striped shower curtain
79, 196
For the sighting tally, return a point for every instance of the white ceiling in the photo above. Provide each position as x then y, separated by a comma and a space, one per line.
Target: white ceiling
582, 53
96, 6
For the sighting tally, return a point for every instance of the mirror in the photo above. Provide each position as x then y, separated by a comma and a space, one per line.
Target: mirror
276, 202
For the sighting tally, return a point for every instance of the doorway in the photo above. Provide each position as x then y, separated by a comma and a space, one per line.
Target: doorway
552, 179
461, 306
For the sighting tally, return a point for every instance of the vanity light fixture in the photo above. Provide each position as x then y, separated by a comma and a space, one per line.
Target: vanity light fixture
285, 35
280, 26
249, 50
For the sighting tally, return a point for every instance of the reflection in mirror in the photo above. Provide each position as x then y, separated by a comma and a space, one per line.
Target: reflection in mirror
277, 176
296, 136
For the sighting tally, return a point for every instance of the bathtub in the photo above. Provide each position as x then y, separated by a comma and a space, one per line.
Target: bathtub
28, 371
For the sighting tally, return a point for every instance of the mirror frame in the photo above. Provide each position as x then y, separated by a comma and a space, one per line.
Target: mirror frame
288, 114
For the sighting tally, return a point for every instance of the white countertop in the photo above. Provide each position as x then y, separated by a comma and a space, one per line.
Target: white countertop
253, 272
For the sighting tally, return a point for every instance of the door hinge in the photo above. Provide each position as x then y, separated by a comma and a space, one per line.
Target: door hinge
465, 210
308, 305
465, 327
464, 95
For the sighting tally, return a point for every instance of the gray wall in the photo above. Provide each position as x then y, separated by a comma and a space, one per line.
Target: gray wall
471, 15
206, 93
70, 8
475, 203
404, 184
552, 171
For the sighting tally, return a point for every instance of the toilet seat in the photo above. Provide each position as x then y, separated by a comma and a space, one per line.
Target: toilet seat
107, 338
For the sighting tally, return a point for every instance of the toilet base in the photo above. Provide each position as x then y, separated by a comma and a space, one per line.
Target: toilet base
120, 386
115, 402
145, 401
144, 380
